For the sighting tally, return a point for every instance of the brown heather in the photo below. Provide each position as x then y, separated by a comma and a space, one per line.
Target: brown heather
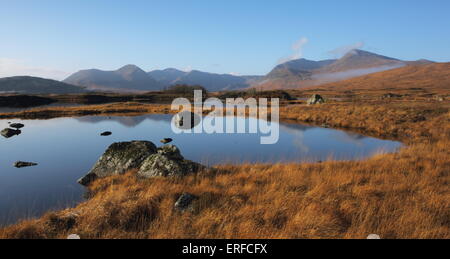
402, 195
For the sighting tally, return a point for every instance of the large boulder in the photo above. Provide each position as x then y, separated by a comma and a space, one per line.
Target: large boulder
7, 133
315, 99
120, 158
168, 161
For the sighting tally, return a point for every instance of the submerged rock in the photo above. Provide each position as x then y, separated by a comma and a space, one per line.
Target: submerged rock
315, 99
184, 202
20, 164
168, 161
7, 133
17, 125
166, 140
106, 133
120, 158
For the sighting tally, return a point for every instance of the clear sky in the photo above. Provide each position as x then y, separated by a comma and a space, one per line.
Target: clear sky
52, 38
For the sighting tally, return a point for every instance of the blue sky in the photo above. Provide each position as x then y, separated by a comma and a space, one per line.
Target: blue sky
53, 38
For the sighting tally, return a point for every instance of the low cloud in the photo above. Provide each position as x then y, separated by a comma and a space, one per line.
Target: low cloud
341, 51
13, 67
338, 76
297, 49
187, 69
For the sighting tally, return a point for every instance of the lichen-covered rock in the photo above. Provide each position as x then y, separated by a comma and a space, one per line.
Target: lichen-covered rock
315, 99
7, 133
168, 161
120, 158
170, 151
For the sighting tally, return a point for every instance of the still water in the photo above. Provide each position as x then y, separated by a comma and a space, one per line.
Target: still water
66, 148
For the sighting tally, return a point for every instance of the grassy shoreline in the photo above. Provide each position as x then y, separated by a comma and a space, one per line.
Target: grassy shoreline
402, 195
406, 121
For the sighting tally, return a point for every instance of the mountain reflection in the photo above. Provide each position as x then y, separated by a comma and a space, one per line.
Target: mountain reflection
129, 122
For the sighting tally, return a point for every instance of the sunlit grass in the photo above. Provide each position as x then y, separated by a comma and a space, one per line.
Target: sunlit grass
402, 195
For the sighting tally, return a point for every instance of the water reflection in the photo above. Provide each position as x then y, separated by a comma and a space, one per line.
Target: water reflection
66, 148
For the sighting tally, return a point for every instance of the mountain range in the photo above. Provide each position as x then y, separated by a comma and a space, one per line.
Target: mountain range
294, 74
132, 78
299, 73
127, 78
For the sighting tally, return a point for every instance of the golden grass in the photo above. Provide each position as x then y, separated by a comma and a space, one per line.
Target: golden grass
410, 122
431, 76
112, 109
396, 196
428, 77
402, 195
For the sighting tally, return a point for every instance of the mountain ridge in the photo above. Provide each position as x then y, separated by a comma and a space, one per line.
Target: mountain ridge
299, 73
126, 78
37, 85
424, 76
303, 73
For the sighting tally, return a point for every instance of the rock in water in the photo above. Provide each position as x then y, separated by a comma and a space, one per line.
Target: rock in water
17, 125
184, 202
120, 158
7, 133
186, 120
168, 161
315, 99
106, 133
20, 164
166, 140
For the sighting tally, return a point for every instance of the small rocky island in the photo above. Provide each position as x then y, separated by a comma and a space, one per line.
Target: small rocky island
8, 133
143, 156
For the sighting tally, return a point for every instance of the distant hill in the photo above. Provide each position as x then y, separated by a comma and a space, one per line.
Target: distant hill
213, 82
427, 76
210, 81
127, 78
300, 68
167, 76
36, 85
304, 73
360, 59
